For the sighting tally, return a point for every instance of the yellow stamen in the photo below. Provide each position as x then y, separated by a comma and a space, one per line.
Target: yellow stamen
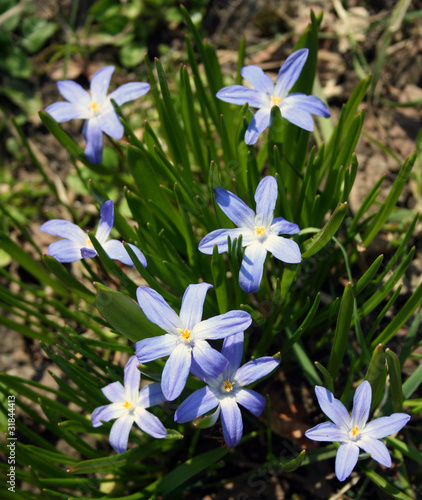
185, 334
355, 430
275, 100
94, 106
127, 405
259, 230
228, 386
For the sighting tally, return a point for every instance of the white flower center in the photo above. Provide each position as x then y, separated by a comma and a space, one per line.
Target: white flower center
260, 231
276, 101
228, 386
354, 433
95, 108
185, 335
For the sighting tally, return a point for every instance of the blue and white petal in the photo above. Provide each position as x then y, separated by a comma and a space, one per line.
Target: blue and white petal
222, 326
282, 226
193, 304
110, 124
333, 408
197, 404
283, 249
94, 140
119, 433
233, 351
88, 253
257, 78
74, 93
361, 405
259, 122
100, 83
220, 237
256, 369
212, 362
107, 412
266, 198
327, 431
65, 251
231, 421
307, 103
252, 267
251, 400
298, 117
132, 379
239, 94
129, 92
116, 251
158, 311
346, 459
235, 209
151, 395
149, 423
289, 72
106, 221
155, 347
114, 392
385, 426
65, 229
376, 449
65, 111
176, 371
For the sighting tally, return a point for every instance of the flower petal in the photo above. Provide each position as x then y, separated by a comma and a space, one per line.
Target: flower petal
73, 92
346, 459
94, 140
193, 304
307, 103
233, 351
266, 198
282, 226
65, 111
376, 449
289, 72
298, 117
283, 249
239, 94
327, 431
119, 433
114, 392
259, 122
384, 426
132, 379
151, 395
139, 255
333, 408
256, 369
219, 237
107, 412
175, 372
361, 405
257, 78
88, 253
100, 83
235, 209
110, 124
65, 251
251, 400
197, 404
106, 221
116, 251
157, 310
212, 362
149, 423
129, 92
252, 267
155, 347
65, 229
222, 326
231, 420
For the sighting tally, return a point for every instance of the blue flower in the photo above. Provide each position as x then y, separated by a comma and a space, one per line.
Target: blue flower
128, 405
353, 431
260, 232
185, 337
77, 244
95, 107
227, 392
296, 107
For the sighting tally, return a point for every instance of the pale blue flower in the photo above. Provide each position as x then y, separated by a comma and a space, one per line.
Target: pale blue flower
95, 106
296, 107
353, 431
77, 244
227, 391
260, 232
128, 405
185, 340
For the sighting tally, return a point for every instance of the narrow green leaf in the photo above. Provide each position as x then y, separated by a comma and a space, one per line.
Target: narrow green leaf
393, 364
